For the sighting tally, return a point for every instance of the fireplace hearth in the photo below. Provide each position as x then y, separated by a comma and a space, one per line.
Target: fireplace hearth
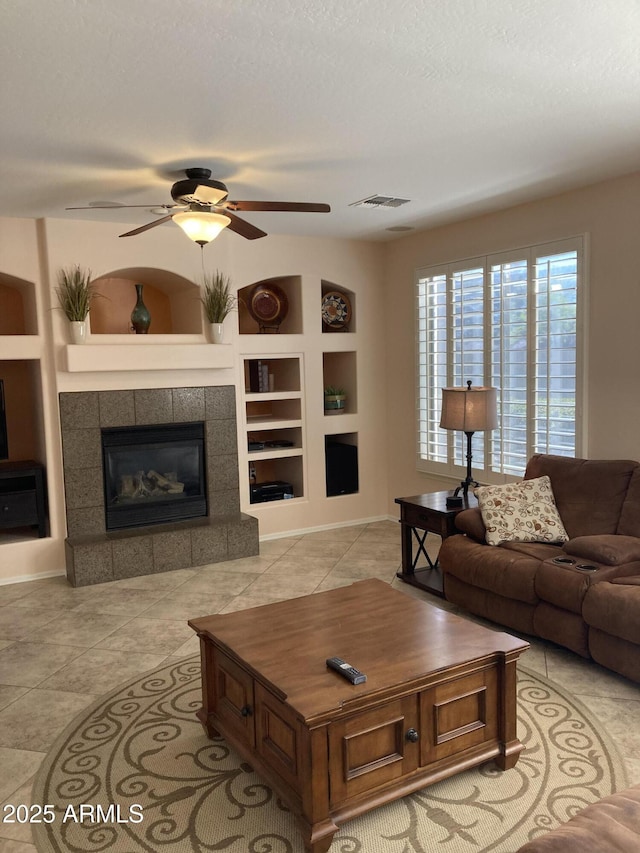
201, 478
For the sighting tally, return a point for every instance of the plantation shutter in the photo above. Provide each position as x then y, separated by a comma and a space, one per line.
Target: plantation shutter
510, 320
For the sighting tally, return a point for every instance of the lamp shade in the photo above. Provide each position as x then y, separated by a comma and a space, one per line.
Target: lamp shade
201, 226
469, 409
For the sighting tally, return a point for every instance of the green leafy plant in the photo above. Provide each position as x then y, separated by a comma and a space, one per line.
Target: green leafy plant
217, 298
75, 292
334, 391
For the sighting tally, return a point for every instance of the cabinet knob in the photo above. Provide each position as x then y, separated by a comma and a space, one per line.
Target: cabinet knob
412, 736
246, 710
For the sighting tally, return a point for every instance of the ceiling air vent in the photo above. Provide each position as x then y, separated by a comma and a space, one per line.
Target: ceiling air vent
376, 201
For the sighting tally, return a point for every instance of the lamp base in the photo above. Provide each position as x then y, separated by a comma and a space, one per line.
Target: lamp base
454, 502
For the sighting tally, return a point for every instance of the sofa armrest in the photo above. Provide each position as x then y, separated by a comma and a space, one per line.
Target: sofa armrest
470, 521
610, 549
611, 825
634, 580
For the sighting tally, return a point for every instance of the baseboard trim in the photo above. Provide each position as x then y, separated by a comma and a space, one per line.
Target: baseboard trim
302, 531
25, 578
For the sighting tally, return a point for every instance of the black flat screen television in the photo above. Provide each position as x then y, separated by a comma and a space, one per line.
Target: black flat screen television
4, 443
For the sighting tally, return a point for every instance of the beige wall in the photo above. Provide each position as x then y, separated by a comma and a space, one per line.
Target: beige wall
608, 214
34, 251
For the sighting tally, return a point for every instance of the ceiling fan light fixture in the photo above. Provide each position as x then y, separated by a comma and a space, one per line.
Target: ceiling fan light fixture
201, 226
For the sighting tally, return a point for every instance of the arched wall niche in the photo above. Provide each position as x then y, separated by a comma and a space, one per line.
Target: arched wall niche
173, 302
17, 306
291, 285
328, 287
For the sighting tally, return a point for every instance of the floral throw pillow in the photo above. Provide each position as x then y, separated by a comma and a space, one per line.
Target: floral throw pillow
521, 512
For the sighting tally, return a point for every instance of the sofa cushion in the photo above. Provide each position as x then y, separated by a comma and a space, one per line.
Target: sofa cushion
614, 609
520, 512
607, 548
499, 570
589, 493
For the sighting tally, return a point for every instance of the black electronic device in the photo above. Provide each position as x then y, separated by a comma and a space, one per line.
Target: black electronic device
341, 465
256, 445
274, 490
346, 670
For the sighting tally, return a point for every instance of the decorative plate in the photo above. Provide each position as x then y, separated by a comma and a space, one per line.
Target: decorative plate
268, 304
336, 310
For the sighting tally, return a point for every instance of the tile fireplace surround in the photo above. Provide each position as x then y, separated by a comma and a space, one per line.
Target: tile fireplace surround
95, 556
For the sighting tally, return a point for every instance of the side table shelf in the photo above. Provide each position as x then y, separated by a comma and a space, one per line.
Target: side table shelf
419, 516
22, 495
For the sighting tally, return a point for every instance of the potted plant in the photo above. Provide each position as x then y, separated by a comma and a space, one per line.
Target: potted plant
75, 293
334, 399
218, 301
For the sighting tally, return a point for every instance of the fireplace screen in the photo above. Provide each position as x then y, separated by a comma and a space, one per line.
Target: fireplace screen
153, 474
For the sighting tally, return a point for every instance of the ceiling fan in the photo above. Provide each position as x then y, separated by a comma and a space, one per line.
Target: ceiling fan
202, 209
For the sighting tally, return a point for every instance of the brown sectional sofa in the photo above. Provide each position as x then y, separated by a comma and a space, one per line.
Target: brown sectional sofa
541, 589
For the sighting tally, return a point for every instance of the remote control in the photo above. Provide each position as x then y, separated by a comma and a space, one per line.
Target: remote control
346, 670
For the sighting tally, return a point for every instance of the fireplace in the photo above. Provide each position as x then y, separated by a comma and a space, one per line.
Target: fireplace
153, 474
191, 455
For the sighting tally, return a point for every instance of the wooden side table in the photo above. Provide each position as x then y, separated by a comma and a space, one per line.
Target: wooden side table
419, 516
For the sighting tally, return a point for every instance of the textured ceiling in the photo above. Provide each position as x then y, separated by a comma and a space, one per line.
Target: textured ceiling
461, 106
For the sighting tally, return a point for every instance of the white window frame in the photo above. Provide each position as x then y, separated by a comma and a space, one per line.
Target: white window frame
454, 467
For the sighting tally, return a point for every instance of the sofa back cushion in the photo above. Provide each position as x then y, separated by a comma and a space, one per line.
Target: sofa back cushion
629, 524
589, 493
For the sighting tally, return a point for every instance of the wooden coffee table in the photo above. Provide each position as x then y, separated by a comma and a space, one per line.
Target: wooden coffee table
440, 697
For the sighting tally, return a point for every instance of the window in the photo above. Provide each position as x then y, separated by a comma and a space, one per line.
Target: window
510, 320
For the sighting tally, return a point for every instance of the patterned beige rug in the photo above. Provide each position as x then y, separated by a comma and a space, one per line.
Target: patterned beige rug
161, 785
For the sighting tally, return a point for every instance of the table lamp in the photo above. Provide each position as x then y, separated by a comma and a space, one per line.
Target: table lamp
468, 410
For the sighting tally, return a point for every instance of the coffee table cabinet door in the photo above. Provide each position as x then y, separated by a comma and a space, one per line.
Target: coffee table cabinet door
373, 748
234, 701
458, 715
279, 737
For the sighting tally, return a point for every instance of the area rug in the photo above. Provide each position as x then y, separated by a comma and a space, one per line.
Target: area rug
136, 773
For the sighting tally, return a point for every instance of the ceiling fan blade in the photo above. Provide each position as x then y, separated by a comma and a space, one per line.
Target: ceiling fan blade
116, 206
148, 226
293, 206
245, 229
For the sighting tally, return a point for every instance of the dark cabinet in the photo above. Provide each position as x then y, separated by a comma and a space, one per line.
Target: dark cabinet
22, 495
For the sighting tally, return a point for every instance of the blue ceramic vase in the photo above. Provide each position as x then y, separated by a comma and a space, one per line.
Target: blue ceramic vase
140, 316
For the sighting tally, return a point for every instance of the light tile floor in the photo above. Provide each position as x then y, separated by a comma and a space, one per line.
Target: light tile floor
61, 648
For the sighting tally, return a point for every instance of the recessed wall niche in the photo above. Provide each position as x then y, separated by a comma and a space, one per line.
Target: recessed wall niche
328, 288
23, 403
292, 322
173, 302
17, 306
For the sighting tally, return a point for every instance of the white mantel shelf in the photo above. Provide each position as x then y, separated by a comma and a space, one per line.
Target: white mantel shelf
92, 358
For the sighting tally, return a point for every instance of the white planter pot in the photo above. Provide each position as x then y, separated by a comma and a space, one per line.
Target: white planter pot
217, 333
78, 331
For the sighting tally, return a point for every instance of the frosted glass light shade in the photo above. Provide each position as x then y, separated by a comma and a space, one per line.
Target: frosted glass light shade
201, 226
469, 409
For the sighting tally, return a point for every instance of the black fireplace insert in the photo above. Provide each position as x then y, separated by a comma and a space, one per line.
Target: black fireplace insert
153, 474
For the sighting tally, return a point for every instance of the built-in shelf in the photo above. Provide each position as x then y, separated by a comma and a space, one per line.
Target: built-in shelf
145, 355
274, 421
339, 369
